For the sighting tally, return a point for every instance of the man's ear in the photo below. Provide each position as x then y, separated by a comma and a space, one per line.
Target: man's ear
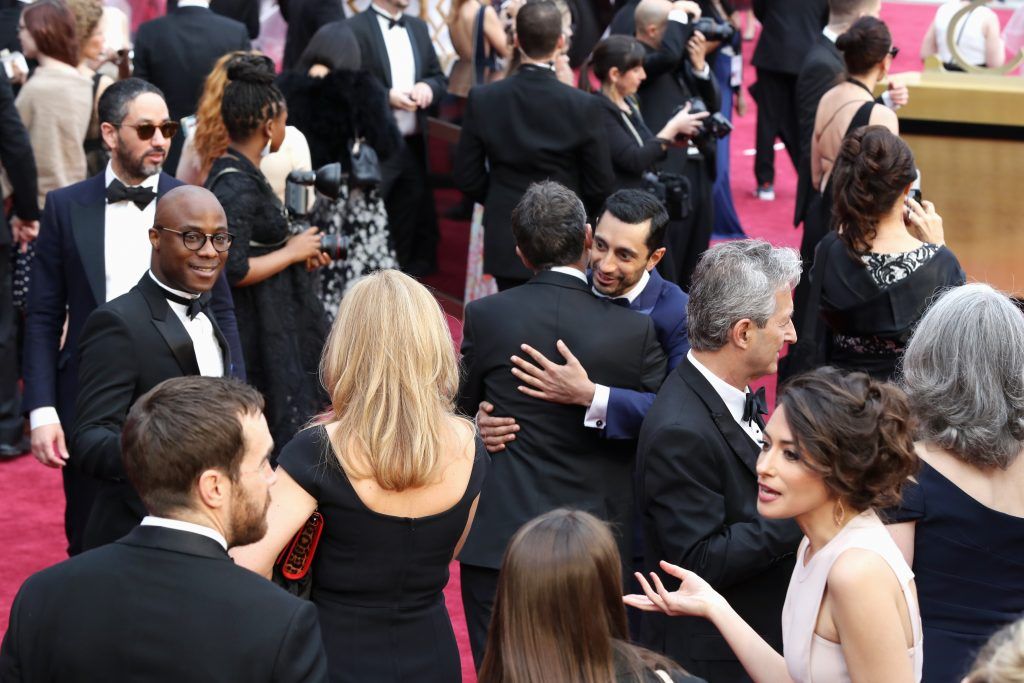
108, 132
560, 46
741, 333
154, 238
588, 239
655, 258
213, 488
526, 261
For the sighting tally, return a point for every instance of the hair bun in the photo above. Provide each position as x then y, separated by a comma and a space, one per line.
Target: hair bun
258, 69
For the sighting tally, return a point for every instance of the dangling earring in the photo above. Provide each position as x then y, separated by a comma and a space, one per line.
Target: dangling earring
838, 513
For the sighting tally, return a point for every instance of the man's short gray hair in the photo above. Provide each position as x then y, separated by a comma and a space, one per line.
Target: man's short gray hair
964, 373
737, 280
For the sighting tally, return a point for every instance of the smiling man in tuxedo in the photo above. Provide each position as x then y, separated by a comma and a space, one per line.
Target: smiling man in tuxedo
158, 330
93, 247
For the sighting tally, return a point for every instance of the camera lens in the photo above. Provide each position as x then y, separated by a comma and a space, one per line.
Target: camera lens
335, 246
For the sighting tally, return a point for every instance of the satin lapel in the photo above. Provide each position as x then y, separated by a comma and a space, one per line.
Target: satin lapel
416, 61
169, 327
739, 442
379, 46
87, 226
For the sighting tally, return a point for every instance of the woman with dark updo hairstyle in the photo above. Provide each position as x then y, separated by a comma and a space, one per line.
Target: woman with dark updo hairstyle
886, 260
558, 612
280, 319
838, 447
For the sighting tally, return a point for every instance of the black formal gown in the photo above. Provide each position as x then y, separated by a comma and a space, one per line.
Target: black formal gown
969, 571
281, 321
378, 579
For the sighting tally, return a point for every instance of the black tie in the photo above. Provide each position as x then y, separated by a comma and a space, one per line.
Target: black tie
620, 301
140, 196
754, 407
193, 307
400, 21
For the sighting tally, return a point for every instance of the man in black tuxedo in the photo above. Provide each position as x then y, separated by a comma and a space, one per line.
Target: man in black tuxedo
788, 31
698, 450
245, 11
527, 128
305, 18
16, 157
158, 330
176, 53
677, 69
166, 603
396, 48
93, 247
555, 460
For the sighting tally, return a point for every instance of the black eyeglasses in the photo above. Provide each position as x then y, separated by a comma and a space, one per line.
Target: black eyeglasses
147, 130
893, 51
195, 240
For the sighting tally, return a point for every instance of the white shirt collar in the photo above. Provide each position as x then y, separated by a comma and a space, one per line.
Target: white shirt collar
634, 291
830, 34
150, 182
734, 399
543, 65
569, 270
205, 4
150, 520
176, 292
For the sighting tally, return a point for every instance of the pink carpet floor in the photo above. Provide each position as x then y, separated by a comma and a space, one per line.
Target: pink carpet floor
31, 500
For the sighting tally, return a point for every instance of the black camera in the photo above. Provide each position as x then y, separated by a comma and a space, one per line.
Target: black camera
672, 190
714, 127
327, 181
713, 30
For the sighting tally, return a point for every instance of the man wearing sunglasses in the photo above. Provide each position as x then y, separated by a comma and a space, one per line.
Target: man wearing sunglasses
160, 329
93, 247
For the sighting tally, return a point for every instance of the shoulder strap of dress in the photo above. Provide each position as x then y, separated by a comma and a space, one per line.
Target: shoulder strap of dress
861, 117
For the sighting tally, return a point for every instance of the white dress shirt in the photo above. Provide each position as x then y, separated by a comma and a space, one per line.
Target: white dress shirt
597, 413
403, 64
179, 525
205, 4
734, 399
126, 256
200, 329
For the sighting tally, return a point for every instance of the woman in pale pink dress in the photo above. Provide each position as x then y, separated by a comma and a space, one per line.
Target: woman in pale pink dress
837, 448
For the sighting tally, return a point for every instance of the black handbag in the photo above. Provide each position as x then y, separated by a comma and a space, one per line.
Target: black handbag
364, 166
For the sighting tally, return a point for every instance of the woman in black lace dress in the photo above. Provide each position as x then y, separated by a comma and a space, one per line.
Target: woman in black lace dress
887, 261
280, 319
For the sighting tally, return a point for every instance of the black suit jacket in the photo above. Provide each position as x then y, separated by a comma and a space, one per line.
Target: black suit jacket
16, 157
822, 68
789, 30
305, 17
375, 56
245, 11
68, 281
159, 605
523, 129
176, 53
698, 497
128, 346
555, 460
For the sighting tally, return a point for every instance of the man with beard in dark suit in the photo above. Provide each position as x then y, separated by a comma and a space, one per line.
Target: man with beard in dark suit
93, 247
555, 460
397, 50
165, 603
698, 450
158, 330
527, 128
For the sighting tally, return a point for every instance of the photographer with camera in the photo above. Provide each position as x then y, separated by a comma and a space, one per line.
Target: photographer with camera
678, 75
281, 320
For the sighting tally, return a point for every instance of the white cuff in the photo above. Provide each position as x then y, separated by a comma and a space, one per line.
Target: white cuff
887, 101
705, 73
597, 413
41, 417
679, 15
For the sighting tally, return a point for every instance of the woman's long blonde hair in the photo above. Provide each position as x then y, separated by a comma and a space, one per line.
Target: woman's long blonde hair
211, 137
391, 371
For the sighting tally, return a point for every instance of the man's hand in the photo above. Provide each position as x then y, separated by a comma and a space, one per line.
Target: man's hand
495, 431
24, 232
898, 93
400, 100
696, 47
48, 445
422, 95
567, 384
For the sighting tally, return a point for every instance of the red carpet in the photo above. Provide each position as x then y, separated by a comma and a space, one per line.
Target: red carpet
31, 501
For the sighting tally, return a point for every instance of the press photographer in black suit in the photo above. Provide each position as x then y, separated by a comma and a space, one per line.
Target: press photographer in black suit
158, 330
527, 128
165, 603
677, 71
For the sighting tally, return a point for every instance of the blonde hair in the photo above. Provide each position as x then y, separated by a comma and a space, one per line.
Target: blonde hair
211, 136
391, 371
88, 14
1002, 658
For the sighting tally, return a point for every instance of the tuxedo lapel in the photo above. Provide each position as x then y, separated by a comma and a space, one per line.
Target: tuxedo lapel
377, 38
170, 328
417, 61
88, 219
740, 443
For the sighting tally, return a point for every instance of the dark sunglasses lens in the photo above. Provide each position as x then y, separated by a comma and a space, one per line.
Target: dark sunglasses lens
169, 129
145, 130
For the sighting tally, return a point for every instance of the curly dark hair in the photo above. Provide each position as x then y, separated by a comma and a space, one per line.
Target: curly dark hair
250, 97
857, 433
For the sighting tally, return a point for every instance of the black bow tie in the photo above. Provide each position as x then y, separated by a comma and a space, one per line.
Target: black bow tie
620, 301
400, 21
193, 307
754, 406
140, 196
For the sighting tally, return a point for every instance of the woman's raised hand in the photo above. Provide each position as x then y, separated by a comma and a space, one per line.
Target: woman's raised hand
924, 223
695, 597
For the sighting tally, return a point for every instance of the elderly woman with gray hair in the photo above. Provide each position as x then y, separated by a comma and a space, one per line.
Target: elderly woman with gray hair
961, 525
